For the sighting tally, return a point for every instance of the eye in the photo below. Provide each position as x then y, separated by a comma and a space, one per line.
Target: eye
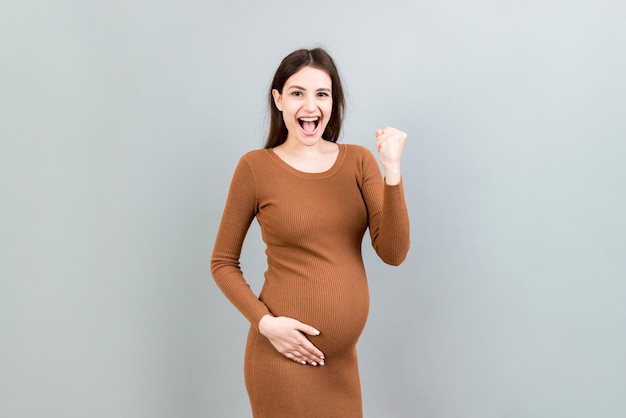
322, 94
296, 93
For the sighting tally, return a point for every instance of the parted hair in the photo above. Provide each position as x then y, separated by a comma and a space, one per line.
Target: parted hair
291, 64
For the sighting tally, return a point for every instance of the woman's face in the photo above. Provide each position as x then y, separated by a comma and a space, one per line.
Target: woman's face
306, 103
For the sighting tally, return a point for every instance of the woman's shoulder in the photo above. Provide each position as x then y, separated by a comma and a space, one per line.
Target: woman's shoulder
249, 163
357, 148
255, 153
358, 151
256, 156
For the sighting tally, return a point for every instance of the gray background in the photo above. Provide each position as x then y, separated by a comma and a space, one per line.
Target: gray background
121, 123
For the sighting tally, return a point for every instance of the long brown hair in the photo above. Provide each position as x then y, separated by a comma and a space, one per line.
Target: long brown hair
291, 64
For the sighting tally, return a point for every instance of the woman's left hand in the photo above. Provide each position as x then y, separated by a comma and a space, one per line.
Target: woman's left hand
390, 143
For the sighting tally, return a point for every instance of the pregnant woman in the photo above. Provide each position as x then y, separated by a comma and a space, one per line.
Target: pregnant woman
314, 199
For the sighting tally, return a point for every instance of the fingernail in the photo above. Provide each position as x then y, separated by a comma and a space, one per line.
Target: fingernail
303, 362
317, 332
314, 363
322, 363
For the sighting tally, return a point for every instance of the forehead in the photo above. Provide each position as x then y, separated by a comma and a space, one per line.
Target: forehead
310, 77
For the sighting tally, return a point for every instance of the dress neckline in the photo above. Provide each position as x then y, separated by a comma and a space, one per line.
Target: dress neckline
308, 175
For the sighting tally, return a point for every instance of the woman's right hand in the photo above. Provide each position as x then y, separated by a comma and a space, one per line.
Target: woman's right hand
288, 336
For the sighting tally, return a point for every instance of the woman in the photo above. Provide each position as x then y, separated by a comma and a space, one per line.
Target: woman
314, 200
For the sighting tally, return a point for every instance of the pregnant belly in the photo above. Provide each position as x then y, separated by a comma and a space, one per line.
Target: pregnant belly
338, 308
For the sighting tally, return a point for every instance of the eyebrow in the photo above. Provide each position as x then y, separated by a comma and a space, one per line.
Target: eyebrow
302, 88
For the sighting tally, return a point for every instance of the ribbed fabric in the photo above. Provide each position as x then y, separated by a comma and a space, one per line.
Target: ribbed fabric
313, 225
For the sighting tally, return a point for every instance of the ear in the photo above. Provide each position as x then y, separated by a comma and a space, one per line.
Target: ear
278, 99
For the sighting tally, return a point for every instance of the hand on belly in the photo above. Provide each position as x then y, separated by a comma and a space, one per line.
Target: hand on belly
288, 336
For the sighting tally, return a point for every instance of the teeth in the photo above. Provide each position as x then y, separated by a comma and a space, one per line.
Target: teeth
308, 119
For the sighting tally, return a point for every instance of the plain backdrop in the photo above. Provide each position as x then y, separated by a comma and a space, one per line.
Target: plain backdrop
121, 123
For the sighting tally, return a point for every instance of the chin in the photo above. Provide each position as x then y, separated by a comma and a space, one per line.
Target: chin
310, 141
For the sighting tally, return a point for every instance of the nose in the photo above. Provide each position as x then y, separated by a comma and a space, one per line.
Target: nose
310, 103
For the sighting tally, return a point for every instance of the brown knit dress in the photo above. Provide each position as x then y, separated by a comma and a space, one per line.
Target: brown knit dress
313, 226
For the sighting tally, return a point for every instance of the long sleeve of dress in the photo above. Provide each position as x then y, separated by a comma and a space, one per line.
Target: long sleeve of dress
239, 211
387, 212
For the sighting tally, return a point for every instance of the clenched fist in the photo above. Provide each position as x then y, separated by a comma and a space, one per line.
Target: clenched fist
390, 143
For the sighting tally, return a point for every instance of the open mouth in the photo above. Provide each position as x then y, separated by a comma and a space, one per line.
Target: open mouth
309, 125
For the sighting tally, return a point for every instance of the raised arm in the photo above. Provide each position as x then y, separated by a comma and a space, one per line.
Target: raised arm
388, 215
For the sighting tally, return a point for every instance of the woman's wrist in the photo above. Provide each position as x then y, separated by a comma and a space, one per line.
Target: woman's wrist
393, 176
263, 322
